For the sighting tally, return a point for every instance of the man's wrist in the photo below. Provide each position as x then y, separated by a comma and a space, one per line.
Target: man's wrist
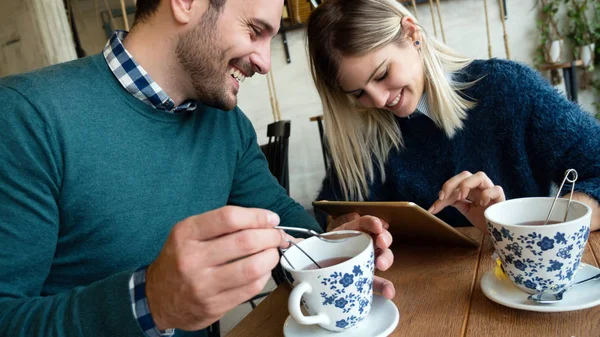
141, 308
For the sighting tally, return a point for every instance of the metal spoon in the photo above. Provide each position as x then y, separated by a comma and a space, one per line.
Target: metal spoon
333, 237
570, 180
548, 298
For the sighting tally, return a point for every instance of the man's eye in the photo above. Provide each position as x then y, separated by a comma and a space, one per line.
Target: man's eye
257, 31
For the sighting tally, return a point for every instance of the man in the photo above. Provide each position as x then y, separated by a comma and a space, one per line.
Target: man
134, 199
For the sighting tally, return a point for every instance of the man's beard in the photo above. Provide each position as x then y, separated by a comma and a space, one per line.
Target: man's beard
203, 60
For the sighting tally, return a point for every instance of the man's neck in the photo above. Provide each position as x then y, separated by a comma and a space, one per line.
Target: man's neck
154, 50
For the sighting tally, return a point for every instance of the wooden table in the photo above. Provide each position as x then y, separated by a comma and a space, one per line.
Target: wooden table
438, 294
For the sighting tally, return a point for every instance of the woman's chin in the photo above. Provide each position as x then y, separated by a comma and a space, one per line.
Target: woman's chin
402, 113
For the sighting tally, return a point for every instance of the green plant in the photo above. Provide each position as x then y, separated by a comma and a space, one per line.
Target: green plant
595, 29
595, 32
580, 31
580, 35
546, 25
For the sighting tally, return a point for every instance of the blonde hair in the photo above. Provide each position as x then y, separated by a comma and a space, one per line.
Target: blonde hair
359, 140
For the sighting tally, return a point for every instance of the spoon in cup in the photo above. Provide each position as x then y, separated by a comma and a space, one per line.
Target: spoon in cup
332, 237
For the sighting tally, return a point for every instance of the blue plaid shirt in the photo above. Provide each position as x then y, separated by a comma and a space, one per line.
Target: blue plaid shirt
138, 83
135, 79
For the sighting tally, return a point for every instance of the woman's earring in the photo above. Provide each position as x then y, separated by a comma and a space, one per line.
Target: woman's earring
417, 43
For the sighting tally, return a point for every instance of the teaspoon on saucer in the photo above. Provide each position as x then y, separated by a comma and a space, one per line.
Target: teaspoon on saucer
549, 298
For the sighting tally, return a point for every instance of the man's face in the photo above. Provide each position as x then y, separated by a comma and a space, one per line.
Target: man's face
226, 47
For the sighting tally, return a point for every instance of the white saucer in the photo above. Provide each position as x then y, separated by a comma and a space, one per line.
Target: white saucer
503, 291
381, 321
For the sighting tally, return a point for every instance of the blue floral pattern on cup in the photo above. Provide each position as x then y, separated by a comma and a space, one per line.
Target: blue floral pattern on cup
348, 291
537, 262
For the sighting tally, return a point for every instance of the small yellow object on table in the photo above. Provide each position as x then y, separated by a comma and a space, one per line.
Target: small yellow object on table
499, 271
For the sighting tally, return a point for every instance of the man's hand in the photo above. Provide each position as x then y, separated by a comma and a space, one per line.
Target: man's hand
384, 258
211, 263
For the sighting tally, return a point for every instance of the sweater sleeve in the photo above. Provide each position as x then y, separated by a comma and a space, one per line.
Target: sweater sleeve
255, 186
559, 135
29, 230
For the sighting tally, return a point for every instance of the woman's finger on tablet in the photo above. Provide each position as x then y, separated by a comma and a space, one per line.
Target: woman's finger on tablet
450, 199
452, 184
471, 186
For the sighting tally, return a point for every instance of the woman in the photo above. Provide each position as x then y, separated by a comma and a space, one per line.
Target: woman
408, 119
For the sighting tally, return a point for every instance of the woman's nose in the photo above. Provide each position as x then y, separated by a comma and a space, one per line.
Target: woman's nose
379, 98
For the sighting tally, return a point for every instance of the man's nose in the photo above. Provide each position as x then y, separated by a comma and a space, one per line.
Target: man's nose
261, 58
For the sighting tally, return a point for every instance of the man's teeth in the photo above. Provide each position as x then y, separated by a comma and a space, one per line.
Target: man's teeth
397, 99
237, 74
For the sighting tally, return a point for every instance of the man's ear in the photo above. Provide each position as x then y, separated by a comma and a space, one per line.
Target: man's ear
185, 11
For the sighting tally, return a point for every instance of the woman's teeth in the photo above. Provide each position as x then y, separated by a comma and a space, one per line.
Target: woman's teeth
395, 101
235, 73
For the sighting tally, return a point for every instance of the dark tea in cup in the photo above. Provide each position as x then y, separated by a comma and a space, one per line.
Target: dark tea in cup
327, 263
537, 223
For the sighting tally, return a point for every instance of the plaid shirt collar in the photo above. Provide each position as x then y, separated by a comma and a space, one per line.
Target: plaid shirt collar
135, 79
423, 105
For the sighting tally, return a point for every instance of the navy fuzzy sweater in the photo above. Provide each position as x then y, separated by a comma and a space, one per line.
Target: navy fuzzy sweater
523, 134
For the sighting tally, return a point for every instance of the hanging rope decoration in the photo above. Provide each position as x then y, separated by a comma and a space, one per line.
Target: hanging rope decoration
124, 13
487, 29
433, 18
504, 30
440, 18
112, 19
273, 97
414, 3
97, 9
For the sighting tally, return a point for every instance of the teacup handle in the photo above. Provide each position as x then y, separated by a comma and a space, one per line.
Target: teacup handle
295, 302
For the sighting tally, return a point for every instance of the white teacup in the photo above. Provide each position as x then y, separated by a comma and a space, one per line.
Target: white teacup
539, 258
337, 297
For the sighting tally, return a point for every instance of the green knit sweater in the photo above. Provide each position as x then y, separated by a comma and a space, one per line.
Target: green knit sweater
93, 181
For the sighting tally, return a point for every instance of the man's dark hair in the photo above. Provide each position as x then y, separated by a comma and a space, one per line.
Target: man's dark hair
145, 8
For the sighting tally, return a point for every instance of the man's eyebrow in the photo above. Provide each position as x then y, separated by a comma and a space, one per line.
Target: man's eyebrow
370, 78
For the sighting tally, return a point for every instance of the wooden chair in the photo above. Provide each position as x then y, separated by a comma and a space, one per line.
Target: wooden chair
319, 120
276, 151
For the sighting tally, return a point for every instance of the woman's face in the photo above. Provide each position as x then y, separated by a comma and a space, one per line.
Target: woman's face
391, 78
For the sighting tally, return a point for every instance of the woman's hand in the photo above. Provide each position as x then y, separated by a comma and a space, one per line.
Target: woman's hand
471, 194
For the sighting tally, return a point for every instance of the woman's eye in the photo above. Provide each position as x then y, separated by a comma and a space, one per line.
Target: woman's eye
382, 77
359, 94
